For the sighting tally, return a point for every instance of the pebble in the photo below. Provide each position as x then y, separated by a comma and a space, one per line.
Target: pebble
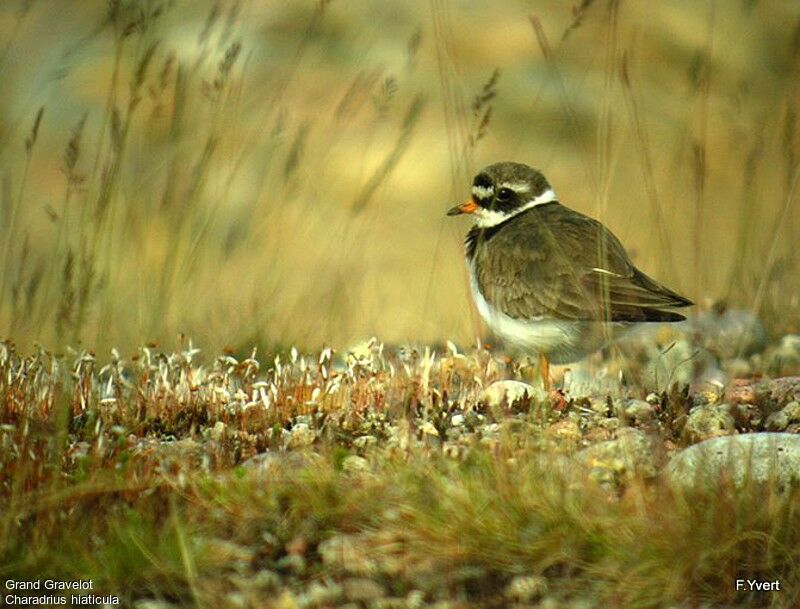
709, 421
640, 411
293, 563
353, 464
286, 600
218, 431
508, 392
301, 436
566, 430
266, 579
786, 416
269, 463
759, 457
321, 595
362, 589
747, 416
526, 588
365, 441
630, 453
345, 553
776, 393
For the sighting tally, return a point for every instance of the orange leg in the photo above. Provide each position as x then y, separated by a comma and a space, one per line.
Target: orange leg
544, 371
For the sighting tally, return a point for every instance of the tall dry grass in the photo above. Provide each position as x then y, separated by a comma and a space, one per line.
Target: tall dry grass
263, 175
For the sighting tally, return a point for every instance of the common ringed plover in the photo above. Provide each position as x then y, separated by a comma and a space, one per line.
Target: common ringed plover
548, 279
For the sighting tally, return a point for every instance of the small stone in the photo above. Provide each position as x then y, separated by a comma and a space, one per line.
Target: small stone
599, 405
566, 430
628, 454
268, 463
415, 599
709, 421
365, 441
362, 590
705, 392
347, 554
640, 411
286, 600
747, 417
390, 602
781, 420
301, 436
508, 392
235, 600
774, 394
473, 419
353, 464
741, 391
457, 420
428, 429
597, 434
293, 563
218, 431
755, 457
221, 551
321, 595
611, 423
266, 579
525, 588
458, 365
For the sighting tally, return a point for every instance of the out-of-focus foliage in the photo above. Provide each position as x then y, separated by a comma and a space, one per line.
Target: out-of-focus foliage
268, 173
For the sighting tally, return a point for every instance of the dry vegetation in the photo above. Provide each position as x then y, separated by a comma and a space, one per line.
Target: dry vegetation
275, 174
386, 480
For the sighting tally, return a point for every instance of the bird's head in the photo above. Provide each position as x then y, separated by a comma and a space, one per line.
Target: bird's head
503, 190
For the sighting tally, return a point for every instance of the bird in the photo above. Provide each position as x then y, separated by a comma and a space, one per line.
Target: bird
548, 279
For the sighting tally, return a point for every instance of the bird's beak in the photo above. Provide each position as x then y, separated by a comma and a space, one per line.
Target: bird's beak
467, 207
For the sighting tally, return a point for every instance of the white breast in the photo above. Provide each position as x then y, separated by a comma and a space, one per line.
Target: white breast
562, 341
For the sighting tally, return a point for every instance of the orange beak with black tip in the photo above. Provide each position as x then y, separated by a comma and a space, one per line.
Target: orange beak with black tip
467, 207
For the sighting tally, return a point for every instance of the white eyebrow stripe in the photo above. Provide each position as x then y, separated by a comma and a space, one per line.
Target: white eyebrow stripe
548, 196
518, 187
483, 192
486, 218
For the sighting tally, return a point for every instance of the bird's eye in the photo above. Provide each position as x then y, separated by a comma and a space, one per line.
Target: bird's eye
504, 194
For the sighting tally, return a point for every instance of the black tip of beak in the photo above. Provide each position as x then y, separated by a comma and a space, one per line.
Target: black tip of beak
454, 211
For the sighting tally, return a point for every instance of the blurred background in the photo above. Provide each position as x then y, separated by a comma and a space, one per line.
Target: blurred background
276, 173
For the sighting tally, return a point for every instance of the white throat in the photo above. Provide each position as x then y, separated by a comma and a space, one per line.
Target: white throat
486, 218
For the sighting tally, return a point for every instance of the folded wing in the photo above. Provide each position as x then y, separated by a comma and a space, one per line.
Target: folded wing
561, 264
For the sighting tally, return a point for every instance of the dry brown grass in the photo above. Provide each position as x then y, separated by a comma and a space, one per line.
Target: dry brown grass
137, 474
278, 176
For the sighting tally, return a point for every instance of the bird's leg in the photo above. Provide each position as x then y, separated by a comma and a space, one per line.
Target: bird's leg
544, 371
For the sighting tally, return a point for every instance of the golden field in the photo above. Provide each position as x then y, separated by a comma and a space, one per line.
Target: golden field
255, 173
208, 208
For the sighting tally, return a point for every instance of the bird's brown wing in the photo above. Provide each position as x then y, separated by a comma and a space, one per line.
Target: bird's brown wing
558, 263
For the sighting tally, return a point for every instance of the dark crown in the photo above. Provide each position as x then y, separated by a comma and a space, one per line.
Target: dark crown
507, 185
